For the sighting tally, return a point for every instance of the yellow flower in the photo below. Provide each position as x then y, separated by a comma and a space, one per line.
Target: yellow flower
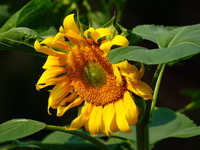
79, 70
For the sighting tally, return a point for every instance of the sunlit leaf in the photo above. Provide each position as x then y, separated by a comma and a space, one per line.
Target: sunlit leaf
35, 15
19, 39
174, 44
18, 128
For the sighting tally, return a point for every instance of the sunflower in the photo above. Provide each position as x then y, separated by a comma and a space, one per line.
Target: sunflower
79, 71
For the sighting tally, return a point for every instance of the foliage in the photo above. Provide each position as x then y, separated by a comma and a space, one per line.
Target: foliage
174, 44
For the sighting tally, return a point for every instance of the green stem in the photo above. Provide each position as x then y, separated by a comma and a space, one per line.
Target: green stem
80, 134
156, 85
142, 127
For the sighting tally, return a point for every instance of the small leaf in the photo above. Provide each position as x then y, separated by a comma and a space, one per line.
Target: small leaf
19, 39
18, 128
174, 43
194, 94
36, 15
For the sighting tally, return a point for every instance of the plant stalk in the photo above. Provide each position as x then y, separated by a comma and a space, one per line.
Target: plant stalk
142, 127
80, 134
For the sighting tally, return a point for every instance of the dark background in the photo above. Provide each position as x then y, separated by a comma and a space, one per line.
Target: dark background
19, 72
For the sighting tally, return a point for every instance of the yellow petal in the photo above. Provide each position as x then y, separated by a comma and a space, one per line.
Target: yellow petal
106, 46
58, 93
53, 61
130, 72
83, 118
69, 24
61, 110
120, 41
100, 32
132, 111
108, 115
141, 89
117, 75
113, 126
121, 120
94, 125
50, 41
47, 50
50, 73
51, 81
97, 34
74, 37
141, 72
69, 98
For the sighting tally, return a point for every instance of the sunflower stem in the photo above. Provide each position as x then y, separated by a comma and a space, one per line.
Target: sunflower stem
79, 134
142, 127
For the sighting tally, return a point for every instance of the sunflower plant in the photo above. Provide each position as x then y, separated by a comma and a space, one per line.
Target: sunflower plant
97, 68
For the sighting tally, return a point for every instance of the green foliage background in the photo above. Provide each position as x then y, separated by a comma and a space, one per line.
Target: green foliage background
20, 71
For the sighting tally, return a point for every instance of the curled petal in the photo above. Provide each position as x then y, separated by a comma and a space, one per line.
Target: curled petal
141, 72
69, 24
117, 74
50, 41
46, 50
74, 37
97, 34
49, 74
58, 93
120, 41
141, 89
129, 71
106, 46
62, 109
101, 32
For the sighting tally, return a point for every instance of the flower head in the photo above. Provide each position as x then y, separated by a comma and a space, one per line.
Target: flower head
79, 70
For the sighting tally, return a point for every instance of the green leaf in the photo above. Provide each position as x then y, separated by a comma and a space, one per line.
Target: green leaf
18, 128
170, 124
60, 140
36, 15
166, 124
174, 43
194, 94
19, 39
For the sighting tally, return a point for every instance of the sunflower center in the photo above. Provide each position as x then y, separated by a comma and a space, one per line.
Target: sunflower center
94, 74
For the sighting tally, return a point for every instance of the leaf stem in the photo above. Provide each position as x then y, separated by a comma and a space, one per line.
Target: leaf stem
80, 134
155, 85
142, 127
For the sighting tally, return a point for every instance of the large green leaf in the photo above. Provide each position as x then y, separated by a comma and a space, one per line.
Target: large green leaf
174, 44
177, 125
166, 124
35, 15
18, 128
19, 39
